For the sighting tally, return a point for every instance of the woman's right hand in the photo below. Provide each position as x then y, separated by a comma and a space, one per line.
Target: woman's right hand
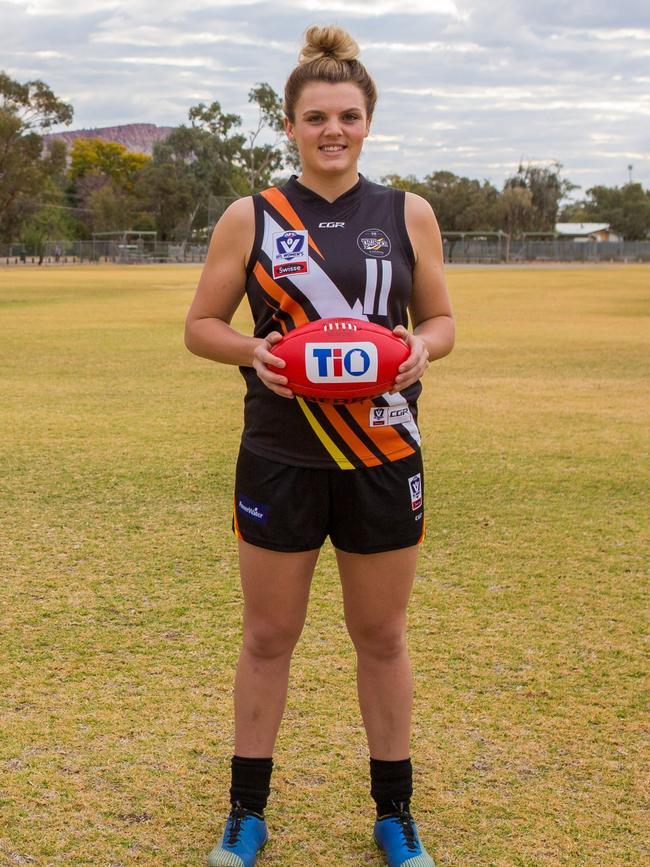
263, 357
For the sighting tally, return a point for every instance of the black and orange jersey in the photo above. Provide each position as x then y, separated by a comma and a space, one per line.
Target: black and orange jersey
313, 259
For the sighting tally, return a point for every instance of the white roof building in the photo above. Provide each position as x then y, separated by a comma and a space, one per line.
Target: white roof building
587, 231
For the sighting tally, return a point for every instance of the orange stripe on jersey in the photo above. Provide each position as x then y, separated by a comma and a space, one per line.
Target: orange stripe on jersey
349, 437
275, 317
235, 522
287, 303
386, 439
283, 206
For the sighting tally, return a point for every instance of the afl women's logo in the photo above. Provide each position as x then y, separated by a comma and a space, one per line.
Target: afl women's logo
374, 242
289, 245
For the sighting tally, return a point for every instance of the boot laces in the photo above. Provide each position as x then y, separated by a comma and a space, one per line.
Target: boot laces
407, 823
237, 815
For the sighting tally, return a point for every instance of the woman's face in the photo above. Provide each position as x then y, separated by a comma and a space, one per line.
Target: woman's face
330, 126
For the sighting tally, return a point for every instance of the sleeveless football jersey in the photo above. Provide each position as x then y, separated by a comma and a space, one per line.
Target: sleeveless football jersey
313, 259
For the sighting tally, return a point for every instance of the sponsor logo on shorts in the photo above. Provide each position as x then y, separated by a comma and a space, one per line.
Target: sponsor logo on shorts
256, 511
341, 362
290, 253
374, 242
415, 484
380, 416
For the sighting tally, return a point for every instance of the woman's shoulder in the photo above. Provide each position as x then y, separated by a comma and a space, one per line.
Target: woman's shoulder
419, 213
240, 211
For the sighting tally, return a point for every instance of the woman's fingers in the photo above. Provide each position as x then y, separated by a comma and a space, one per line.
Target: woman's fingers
268, 366
417, 362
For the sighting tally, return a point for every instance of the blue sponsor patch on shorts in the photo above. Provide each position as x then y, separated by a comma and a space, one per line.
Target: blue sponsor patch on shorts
250, 509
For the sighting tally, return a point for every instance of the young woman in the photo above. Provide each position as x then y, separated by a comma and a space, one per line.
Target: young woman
328, 243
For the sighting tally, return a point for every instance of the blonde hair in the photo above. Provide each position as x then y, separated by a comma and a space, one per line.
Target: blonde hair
328, 54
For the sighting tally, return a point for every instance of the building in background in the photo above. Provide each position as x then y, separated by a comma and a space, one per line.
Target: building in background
586, 232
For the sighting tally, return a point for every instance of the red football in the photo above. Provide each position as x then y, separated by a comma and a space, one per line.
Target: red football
341, 359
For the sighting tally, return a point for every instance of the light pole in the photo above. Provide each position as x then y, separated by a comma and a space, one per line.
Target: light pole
629, 172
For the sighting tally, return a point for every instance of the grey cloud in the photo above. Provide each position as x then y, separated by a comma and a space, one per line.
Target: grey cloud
508, 80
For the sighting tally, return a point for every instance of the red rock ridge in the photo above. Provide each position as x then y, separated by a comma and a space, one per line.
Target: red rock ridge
139, 137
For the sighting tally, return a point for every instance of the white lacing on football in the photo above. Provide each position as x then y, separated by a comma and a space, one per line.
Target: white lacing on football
331, 326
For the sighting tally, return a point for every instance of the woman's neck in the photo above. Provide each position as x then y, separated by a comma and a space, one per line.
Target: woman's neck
328, 187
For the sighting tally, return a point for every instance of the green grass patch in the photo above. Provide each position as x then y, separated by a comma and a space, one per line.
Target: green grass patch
120, 603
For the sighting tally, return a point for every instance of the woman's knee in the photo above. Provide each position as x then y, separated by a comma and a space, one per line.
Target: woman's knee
267, 640
379, 641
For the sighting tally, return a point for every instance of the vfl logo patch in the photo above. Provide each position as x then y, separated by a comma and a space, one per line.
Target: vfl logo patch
374, 242
256, 511
380, 416
341, 362
290, 253
415, 484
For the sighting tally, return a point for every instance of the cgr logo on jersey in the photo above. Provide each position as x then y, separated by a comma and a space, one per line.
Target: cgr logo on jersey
290, 253
374, 242
331, 225
380, 416
341, 362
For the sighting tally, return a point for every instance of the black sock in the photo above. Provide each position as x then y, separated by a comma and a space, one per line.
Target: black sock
391, 784
251, 783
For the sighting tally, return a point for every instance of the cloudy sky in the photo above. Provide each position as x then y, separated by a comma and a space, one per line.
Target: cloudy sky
469, 86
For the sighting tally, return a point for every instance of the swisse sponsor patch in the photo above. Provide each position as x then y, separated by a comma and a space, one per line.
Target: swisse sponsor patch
341, 362
249, 508
381, 416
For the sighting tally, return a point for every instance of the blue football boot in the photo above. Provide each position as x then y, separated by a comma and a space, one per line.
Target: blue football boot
397, 836
244, 836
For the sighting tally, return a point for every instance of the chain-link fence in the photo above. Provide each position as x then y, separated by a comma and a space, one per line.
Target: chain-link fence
505, 249
456, 250
70, 252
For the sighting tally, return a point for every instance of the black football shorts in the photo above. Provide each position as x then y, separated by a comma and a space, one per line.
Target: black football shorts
363, 511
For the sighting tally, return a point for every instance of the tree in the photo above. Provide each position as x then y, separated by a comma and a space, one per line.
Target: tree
460, 204
516, 210
210, 157
262, 160
546, 187
102, 184
626, 209
109, 159
25, 111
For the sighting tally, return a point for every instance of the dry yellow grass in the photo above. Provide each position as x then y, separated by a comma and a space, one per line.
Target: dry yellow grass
120, 604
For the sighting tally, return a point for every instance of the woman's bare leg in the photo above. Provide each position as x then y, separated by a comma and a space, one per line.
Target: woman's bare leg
276, 592
376, 591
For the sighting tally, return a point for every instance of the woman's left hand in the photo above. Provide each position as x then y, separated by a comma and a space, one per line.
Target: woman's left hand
413, 368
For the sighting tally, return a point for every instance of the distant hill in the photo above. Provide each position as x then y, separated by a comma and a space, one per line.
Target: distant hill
138, 137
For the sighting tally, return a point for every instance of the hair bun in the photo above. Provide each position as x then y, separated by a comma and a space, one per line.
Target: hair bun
331, 42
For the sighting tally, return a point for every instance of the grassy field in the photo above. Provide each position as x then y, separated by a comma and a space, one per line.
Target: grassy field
120, 603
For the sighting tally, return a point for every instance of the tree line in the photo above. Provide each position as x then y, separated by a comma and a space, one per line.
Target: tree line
52, 193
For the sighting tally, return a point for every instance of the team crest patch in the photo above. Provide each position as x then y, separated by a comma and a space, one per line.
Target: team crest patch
374, 242
415, 484
290, 253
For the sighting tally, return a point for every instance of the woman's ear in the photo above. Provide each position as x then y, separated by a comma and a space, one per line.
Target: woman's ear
288, 128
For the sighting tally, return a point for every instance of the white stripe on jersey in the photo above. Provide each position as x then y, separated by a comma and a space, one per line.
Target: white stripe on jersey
411, 427
371, 286
386, 280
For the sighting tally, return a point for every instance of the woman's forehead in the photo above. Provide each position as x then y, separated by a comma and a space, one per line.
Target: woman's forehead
324, 94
